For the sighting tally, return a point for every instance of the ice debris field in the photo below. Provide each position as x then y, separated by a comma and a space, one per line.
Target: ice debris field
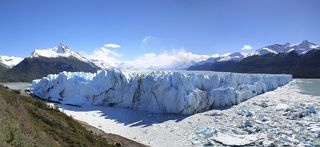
283, 117
158, 92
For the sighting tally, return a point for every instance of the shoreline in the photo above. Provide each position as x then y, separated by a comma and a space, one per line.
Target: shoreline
114, 139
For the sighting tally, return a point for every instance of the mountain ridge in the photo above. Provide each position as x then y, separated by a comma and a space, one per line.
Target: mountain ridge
300, 48
299, 65
10, 61
48, 61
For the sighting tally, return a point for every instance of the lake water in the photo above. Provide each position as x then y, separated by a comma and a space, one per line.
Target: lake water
308, 86
17, 85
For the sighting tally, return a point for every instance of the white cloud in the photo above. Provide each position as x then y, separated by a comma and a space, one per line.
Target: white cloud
174, 59
247, 47
106, 54
146, 39
111, 46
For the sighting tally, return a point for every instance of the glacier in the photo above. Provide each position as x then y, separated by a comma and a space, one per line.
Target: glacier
179, 92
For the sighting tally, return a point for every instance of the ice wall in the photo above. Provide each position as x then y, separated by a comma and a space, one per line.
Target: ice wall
159, 92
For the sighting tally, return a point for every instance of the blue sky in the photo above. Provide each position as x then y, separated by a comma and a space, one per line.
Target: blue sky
198, 26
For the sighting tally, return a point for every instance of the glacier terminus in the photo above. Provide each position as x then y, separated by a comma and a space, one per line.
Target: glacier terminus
179, 92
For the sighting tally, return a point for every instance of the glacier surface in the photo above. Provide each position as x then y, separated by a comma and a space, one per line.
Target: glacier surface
180, 92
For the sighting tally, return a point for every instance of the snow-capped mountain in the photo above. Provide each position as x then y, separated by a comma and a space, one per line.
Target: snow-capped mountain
300, 48
10, 61
49, 61
232, 57
62, 50
237, 56
302, 60
303, 47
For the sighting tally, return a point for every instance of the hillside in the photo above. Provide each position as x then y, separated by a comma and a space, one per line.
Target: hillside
38, 67
26, 121
30, 122
2, 68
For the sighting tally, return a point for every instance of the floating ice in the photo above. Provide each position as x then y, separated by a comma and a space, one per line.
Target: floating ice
263, 104
159, 92
311, 108
282, 107
245, 112
300, 110
205, 132
234, 140
305, 144
287, 138
315, 128
248, 123
215, 113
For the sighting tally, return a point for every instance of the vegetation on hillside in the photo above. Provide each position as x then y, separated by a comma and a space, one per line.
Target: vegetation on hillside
26, 121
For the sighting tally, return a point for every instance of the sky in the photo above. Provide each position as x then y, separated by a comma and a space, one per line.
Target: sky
149, 28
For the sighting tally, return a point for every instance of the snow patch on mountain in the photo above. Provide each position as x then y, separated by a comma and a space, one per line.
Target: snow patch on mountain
303, 47
10, 61
300, 48
159, 92
60, 51
237, 56
232, 57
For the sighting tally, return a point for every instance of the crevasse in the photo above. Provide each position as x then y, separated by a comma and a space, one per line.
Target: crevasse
180, 92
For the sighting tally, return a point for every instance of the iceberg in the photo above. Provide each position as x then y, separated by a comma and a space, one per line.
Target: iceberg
234, 140
179, 92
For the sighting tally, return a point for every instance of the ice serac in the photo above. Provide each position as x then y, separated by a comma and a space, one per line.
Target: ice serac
159, 91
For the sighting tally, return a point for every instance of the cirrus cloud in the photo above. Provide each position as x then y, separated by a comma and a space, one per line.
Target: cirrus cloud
146, 39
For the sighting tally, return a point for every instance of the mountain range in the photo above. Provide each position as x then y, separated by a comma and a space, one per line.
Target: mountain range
300, 48
301, 59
